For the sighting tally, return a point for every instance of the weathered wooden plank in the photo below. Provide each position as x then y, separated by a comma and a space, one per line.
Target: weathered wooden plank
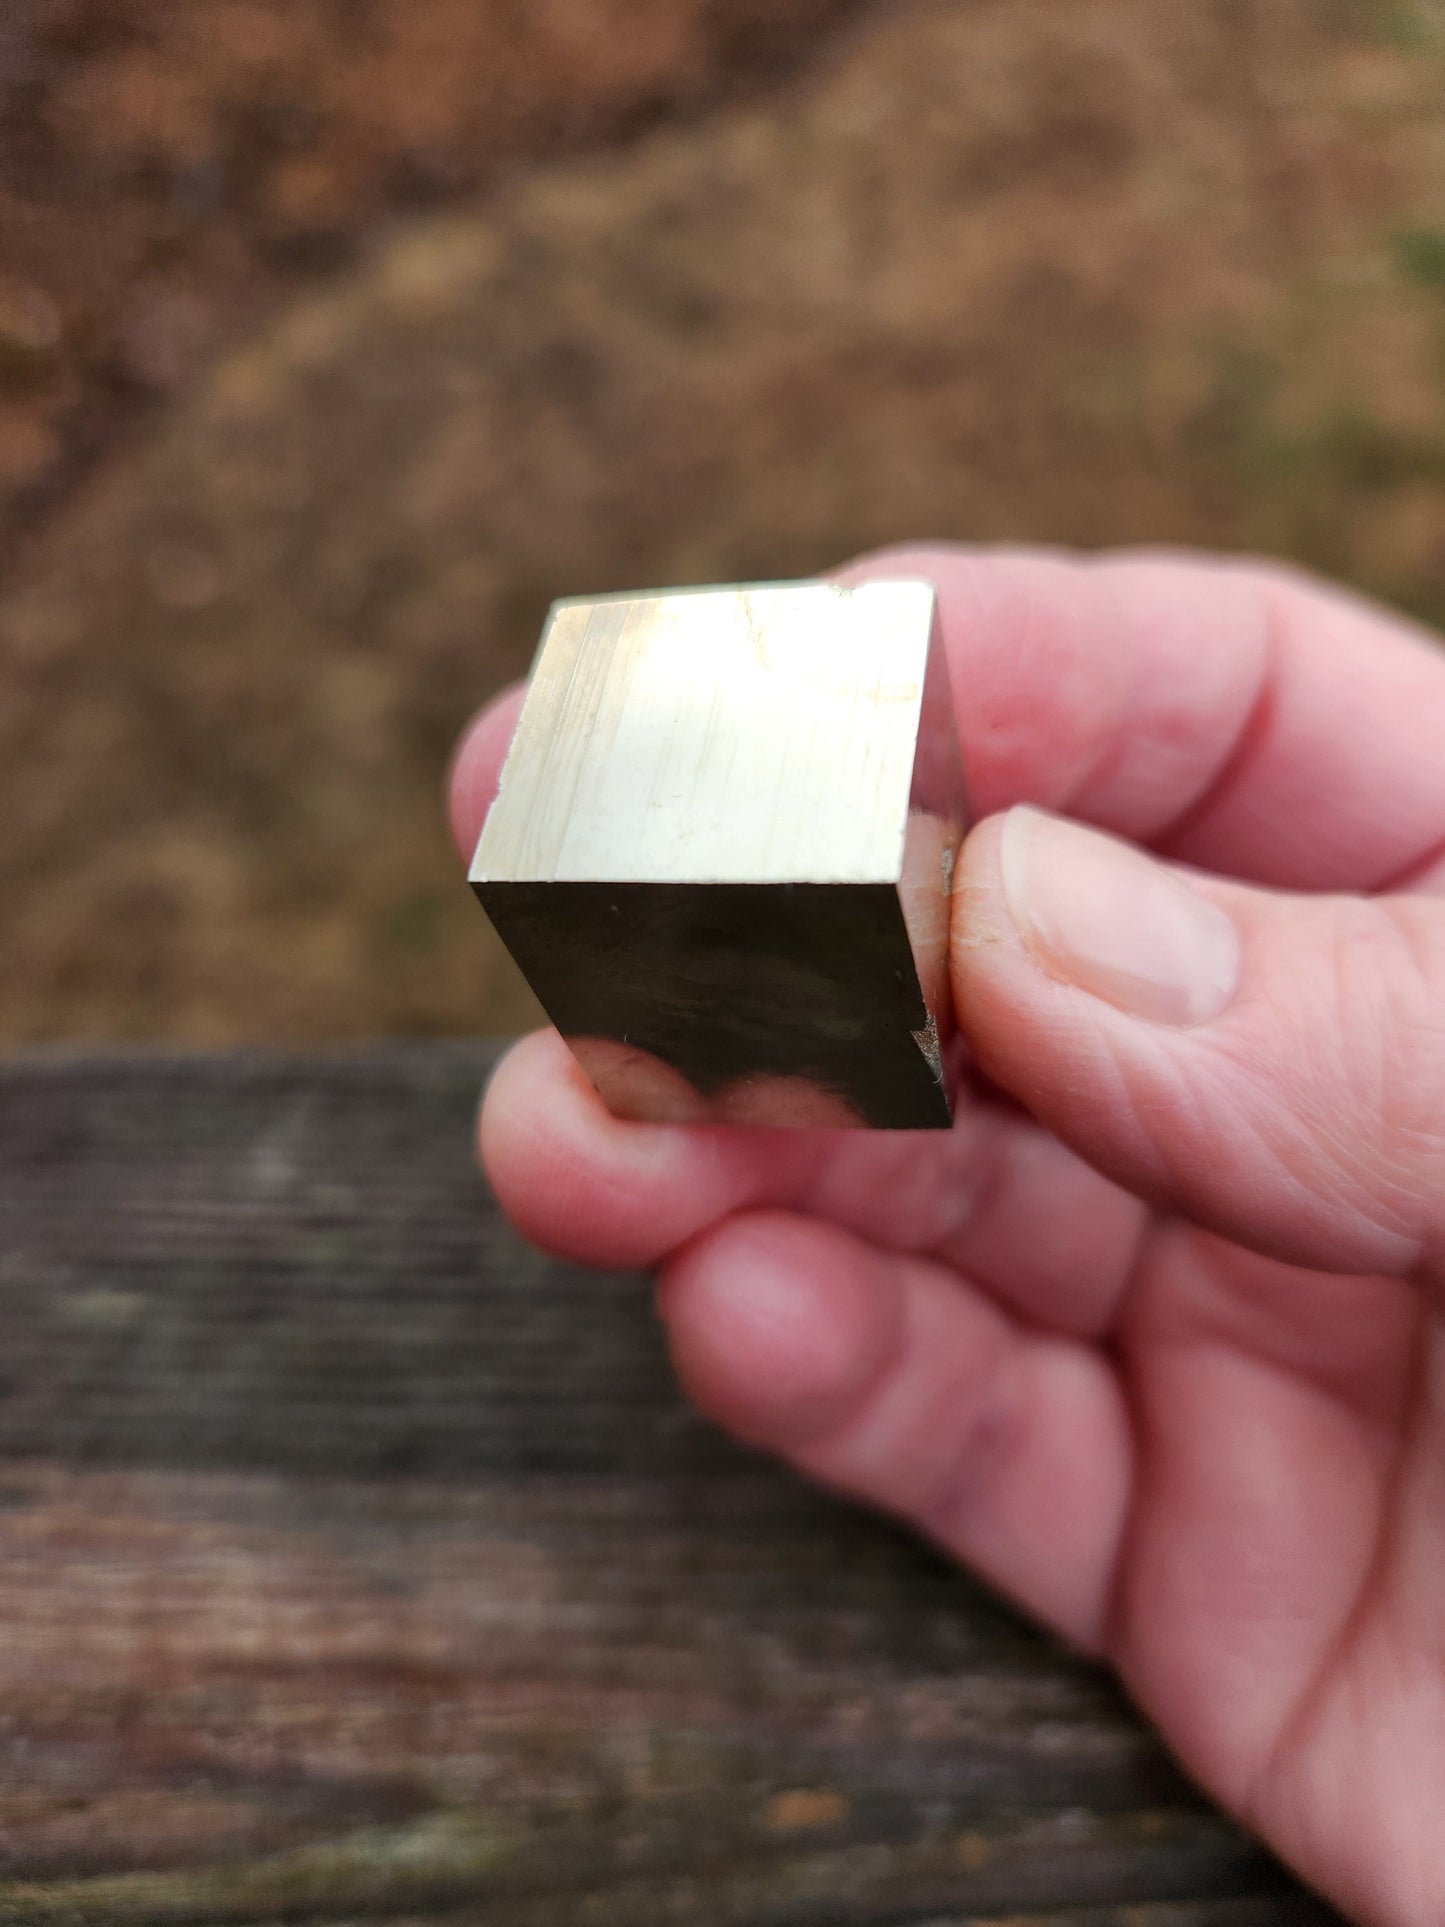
357, 1564
306, 1260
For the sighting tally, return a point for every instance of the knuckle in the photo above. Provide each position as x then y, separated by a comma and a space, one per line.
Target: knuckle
1339, 1058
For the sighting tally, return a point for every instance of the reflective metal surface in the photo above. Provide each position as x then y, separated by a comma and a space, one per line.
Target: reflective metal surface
722, 849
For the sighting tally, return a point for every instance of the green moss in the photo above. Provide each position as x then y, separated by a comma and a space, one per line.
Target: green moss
1414, 26
443, 1859
1420, 252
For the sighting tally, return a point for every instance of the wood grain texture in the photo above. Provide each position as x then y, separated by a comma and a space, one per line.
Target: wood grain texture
357, 1564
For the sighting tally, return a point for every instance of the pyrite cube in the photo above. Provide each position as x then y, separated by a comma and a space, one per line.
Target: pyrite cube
723, 846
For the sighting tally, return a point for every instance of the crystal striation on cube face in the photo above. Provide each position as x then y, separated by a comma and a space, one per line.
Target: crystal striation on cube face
722, 852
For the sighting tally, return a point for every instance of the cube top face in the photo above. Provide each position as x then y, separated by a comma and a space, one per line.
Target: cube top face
733, 736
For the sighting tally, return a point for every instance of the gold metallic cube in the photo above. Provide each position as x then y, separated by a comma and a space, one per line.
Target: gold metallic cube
723, 847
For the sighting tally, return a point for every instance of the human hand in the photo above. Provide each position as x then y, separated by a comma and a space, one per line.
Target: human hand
1153, 1340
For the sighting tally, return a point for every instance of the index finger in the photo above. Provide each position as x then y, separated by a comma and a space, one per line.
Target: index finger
1229, 714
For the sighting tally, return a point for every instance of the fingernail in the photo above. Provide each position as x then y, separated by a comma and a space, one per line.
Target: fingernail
1102, 916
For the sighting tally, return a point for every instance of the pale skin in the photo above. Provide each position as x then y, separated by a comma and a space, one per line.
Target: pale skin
1154, 1340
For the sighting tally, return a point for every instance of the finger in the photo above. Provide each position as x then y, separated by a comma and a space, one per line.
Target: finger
1242, 717
886, 1377
998, 1198
1028, 1218
1271, 1066
1269, 1407
584, 1185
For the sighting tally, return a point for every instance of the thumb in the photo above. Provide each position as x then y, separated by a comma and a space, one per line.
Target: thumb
1270, 1066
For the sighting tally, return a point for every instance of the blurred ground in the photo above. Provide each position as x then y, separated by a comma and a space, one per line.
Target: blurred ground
290, 469
169, 172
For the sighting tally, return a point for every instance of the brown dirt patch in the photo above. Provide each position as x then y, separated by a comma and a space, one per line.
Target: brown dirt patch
169, 172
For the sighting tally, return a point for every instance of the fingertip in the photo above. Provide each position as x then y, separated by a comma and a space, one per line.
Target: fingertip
779, 1325
564, 1170
476, 767
589, 1187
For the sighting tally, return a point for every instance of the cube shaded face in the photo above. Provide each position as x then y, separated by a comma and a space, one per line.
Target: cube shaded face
769, 1003
722, 848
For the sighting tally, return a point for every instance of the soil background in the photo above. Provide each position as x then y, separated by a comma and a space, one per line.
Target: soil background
338, 336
